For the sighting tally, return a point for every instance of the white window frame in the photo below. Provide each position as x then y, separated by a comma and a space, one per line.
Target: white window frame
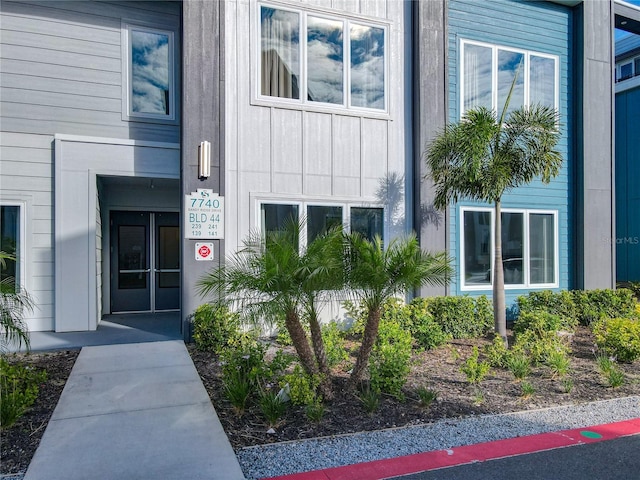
127, 112
494, 72
302, 212
21, 246
526, 264
302, 102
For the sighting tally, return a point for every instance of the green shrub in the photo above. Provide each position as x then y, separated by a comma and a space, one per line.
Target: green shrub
18, 390
519, 364
315, 410
370, 400
426, 331
591, 305
475, 370
389, 363
459, 316
540, 321
271, 406
333, 338
559, 363
538, 346
302, 387
619, 337
215, 327
561, 304
497, 353
426, 396
527, 389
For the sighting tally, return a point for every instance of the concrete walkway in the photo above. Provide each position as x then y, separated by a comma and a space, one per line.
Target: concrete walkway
134, 411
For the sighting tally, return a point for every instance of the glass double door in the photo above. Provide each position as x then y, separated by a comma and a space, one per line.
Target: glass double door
145, 261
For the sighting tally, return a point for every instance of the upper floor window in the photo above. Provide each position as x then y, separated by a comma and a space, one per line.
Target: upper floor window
488, 71
150, 73
318, 59
628, 69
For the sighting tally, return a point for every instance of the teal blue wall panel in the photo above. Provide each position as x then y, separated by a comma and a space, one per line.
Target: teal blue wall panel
541, 27
628, 185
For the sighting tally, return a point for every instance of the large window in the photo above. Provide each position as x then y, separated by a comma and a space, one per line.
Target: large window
488, 72
10, 239
150, 80
318, 59
368, 221
529, 248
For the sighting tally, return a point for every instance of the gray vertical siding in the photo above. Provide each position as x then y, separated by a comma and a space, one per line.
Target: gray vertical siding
61, 73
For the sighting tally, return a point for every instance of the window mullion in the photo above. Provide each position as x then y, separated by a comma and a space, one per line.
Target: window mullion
526, 261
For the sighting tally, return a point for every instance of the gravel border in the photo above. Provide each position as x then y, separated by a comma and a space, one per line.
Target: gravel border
319, 453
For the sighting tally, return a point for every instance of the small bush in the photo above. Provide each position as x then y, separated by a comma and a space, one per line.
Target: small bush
497, 353
459, 316
559, 363
619, 337
541, 322
567, 384
215, 327
527, 389
389, 363
333, 339
302, 387
561, 304
315, 410
592, 305
475, 370
519, 365
272, 407
426, 396
539, 346
18, 390
425, 330
370, 400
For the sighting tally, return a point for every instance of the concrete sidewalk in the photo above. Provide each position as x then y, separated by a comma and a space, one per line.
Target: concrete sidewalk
135, 411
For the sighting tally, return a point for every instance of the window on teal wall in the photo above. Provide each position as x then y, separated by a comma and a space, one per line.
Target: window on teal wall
322, 60
488, 71
529, 248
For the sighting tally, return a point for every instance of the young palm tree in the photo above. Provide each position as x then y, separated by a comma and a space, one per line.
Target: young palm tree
269, 278
14, 301
482, 157
376, 274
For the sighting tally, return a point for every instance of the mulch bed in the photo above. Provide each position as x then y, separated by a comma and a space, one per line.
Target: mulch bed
19, 442
437, 369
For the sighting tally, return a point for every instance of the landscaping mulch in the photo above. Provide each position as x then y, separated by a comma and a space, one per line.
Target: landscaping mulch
19, 442
437, 369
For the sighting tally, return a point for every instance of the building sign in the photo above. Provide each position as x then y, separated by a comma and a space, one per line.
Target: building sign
203, 215
204, 251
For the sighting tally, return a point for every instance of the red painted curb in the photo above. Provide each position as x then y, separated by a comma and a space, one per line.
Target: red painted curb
422, 462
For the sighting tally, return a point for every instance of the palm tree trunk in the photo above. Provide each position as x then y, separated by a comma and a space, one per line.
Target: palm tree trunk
300, 342
499, 304
321, 355
368, 339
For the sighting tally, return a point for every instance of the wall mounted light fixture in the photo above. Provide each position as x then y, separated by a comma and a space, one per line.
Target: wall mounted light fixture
204, 160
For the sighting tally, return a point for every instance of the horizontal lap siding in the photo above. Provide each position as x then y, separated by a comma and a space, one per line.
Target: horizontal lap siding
61, 73
539, 27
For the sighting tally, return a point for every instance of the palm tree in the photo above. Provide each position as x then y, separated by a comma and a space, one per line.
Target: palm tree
269, 278
14, 301
376, 274
482, 157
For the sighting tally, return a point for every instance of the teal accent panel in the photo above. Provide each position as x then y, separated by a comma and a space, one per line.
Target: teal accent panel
542, 27
628, 186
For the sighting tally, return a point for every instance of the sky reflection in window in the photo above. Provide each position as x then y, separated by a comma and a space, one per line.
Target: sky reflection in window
367, 66
542, 81
477, 77
510, 64
325, 60
150, 76
280, 57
